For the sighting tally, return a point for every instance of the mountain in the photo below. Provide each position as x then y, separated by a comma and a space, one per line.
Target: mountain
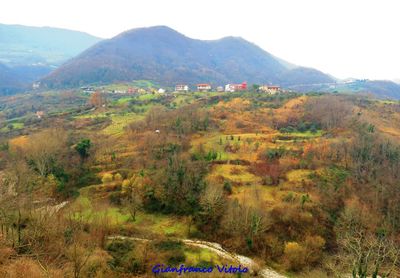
9, 82
25, 45
30, 53
382, 88
302, 75
168, 57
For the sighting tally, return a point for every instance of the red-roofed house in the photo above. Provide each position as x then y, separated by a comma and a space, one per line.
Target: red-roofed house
236, 87
203, 87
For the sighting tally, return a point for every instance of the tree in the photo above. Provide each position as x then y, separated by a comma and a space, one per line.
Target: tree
45, 149
256, 87
212, 208
133, 200
329, 111
97, 100
366, 252
83, 148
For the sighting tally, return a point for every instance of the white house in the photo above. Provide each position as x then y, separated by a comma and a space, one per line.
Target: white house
203, 87
182, 88
270, 89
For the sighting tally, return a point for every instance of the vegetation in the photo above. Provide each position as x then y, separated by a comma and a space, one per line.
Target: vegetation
104, 185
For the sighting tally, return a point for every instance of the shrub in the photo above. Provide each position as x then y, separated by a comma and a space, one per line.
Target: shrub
313, 129
118, 177
267, 180
24, 268
125, 184
227, 187
314, 245
176, 258
295, 256
115, 198
107, 178
168, 245
119, 248
289, 198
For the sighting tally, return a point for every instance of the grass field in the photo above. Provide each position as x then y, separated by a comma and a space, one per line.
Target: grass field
237, 174
15, 126
90, 210
119, 122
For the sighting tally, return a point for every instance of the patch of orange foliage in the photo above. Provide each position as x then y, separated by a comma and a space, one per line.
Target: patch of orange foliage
294, 108
19, 142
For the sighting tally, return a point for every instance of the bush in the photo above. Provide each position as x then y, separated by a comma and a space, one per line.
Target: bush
267, 180
115, 198
313, 129
314, 245
119, 248
295, 256
118, 177
289, 198
168, 245
227, 187
86, 178
125, 184
177, 258
107, 178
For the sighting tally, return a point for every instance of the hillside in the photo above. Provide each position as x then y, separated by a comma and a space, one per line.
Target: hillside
26, 45
383, 88
8, 81
33, 52
162, 54
299, 183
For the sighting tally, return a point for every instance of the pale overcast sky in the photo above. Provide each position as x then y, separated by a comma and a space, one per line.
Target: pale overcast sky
346, 38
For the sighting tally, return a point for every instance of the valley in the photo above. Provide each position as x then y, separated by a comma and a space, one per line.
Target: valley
289, 180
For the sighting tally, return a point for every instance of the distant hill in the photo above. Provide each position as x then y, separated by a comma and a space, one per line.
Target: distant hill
29, 53
382, 88
168, 57
25, 45
9, 82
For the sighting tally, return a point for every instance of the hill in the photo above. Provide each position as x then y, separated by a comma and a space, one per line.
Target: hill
383, 88
29, 53
199, 179
162, 54
9, 83
25, 45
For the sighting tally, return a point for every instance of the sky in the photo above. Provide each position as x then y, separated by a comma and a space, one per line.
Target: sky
345, 38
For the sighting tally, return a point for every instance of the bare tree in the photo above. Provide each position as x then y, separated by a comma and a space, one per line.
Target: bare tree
366, 253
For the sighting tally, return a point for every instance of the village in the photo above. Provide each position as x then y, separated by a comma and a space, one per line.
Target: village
185, 88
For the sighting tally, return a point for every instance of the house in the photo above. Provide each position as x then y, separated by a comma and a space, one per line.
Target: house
36, 85
39, 114
133, 90
118, 91
182, 88
161, 91
270, 89
203, 87
236, 87
88, 89
220, 89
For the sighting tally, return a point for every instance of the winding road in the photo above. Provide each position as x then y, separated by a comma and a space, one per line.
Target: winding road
217, 249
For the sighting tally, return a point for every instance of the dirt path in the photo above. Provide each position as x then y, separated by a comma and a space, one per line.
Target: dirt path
217, 248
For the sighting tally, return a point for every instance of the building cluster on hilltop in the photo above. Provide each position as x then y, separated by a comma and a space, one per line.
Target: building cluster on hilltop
184, 88
205, 87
